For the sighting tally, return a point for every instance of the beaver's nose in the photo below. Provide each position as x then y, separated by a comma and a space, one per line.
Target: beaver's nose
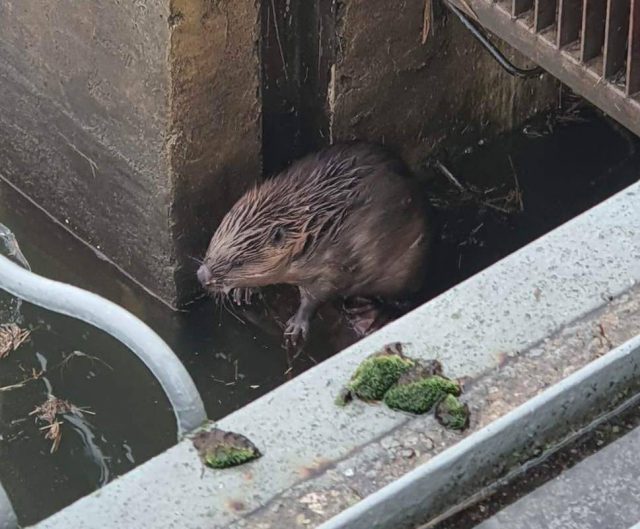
204, 275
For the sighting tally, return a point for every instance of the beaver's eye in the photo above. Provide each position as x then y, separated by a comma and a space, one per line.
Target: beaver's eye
236, 263
277, 235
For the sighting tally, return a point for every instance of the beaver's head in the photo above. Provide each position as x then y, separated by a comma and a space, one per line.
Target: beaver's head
256, 242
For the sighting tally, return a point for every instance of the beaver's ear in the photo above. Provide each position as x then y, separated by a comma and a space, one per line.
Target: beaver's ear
301, 245
277, 236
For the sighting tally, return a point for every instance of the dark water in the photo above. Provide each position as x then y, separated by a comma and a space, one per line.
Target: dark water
231, 359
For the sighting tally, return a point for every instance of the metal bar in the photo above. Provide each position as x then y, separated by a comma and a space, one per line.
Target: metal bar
458, 472
583, 81
569, 21
593, 21
615, 36
633, 55
544, 14
520, 6
119, 323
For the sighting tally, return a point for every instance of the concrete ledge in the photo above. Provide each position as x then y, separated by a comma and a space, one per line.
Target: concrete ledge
502, 313
601, 491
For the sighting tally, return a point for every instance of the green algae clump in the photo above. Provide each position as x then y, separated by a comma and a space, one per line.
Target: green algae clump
453, 414
220, 449
416, 394
378, 373
228, 456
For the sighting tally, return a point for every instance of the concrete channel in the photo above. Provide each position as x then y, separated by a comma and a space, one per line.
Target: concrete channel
601, 491
545, 340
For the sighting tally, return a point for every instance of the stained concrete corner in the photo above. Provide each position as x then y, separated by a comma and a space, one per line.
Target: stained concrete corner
214, 141
132, 122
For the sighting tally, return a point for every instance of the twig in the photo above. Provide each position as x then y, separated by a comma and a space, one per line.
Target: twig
275, 25
470, 11
443, 170
80, 354
49, 411
34, 376
517, 191
426, 20
11, 337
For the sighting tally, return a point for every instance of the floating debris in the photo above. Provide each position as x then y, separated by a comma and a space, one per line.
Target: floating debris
35, 375
451, 413
11, 337
379, 372
418, 394
49, 411
508, 203
220, 449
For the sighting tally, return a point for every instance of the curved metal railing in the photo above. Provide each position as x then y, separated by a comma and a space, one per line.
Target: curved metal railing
8, 518
119, 323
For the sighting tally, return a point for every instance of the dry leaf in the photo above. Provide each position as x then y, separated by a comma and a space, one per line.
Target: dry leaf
11, 337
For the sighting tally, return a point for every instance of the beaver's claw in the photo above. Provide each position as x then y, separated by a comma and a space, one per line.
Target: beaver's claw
242, 296
296, 332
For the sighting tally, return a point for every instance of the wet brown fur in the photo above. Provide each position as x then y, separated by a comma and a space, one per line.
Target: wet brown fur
346, 221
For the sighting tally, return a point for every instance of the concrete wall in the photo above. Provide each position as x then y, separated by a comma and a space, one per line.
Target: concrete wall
138, 123
134, 122
215, 128
390, 84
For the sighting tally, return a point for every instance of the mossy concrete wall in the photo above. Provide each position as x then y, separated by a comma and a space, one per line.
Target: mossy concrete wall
139, 123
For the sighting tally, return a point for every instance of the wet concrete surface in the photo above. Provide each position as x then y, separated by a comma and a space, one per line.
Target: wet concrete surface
601, 491
235, 358
528, 492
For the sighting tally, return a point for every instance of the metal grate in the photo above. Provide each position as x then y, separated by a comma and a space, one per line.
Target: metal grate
591, 45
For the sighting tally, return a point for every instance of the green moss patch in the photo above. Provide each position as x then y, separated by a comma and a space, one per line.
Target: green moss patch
220, 449
228, 456
451, 413
421, 394
407, 385
377, 374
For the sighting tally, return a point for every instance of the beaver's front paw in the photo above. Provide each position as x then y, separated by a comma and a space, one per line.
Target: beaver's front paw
296, 332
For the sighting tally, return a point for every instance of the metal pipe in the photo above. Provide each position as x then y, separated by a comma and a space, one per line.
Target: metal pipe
8, 518
478, 33
119, 323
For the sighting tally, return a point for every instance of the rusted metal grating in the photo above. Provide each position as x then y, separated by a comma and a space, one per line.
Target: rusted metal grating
591, 45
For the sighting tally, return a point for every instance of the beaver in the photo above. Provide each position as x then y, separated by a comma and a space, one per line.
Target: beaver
348, 221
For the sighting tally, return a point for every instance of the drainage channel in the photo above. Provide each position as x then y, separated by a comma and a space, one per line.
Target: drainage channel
551, 472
